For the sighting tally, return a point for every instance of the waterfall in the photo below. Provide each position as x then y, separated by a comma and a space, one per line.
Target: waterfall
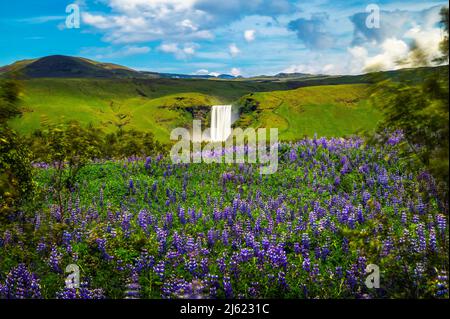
220, 122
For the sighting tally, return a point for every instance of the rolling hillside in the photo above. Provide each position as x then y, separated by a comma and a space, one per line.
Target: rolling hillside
156, 105
329, 110
159, 106
58, 89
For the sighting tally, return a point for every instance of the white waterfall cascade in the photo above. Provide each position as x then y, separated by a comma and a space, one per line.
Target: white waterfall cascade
220, 123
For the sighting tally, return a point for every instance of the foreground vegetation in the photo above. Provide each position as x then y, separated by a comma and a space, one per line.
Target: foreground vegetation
147, 228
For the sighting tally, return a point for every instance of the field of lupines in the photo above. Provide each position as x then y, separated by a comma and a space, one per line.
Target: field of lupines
145, 228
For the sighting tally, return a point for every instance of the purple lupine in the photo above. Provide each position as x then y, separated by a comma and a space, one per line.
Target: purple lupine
297, 248
66, 241
228, 289
441, 223
160, 269
221, 264
365, 196
101, 244
442, 286
41, 246
211, 237
432, 241
191, 265
387, 247
21, 284
306, 264
133, 287
352, 277
54, 260
421, 237
143, 220
395, 137
404, 218
7, 237
282, 280
80, 293
305, 244
145, 261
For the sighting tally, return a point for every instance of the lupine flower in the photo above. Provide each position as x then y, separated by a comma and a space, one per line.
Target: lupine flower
20, 284
421, 237
227, 287
80, 293
55, 259
133, 287
159, 269
306, 264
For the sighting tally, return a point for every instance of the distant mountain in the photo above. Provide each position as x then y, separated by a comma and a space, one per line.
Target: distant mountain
60, 66
188, 76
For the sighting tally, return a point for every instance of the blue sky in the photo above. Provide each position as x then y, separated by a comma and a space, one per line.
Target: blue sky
240, 37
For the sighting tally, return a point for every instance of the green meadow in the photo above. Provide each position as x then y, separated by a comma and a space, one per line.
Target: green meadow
329, 110
160, 105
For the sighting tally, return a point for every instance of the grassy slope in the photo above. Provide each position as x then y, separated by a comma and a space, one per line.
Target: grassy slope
148, 105
154, 105
333, 110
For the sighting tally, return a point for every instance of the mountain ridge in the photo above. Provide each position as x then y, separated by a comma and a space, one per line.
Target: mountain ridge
61, 66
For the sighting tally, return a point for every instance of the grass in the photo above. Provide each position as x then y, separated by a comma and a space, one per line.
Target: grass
159, 105
146, 105
332, 110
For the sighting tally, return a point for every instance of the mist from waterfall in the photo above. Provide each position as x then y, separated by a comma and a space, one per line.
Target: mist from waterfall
220, 122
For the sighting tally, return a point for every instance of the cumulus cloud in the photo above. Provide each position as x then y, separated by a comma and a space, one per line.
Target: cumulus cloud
202, 72
392, 51
392, 24
312, 68
249, 35
235, 72
230, 10
206, 72
312, 32
142, 20
132, 21
390, 46
396, 53
180, 52
234, 50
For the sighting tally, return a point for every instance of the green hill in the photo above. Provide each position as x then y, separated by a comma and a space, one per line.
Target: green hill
156, 105
162, 104
59, 66
58, 89
329, 110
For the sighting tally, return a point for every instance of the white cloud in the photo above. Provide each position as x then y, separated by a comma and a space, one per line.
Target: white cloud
132, 21
394, 50
428, 40
202, 72
235, 72
169, 47
300, 68
206, 72
329, 68
234, 50
189, 50
188, 24
249, 35
180, 52
383, 49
